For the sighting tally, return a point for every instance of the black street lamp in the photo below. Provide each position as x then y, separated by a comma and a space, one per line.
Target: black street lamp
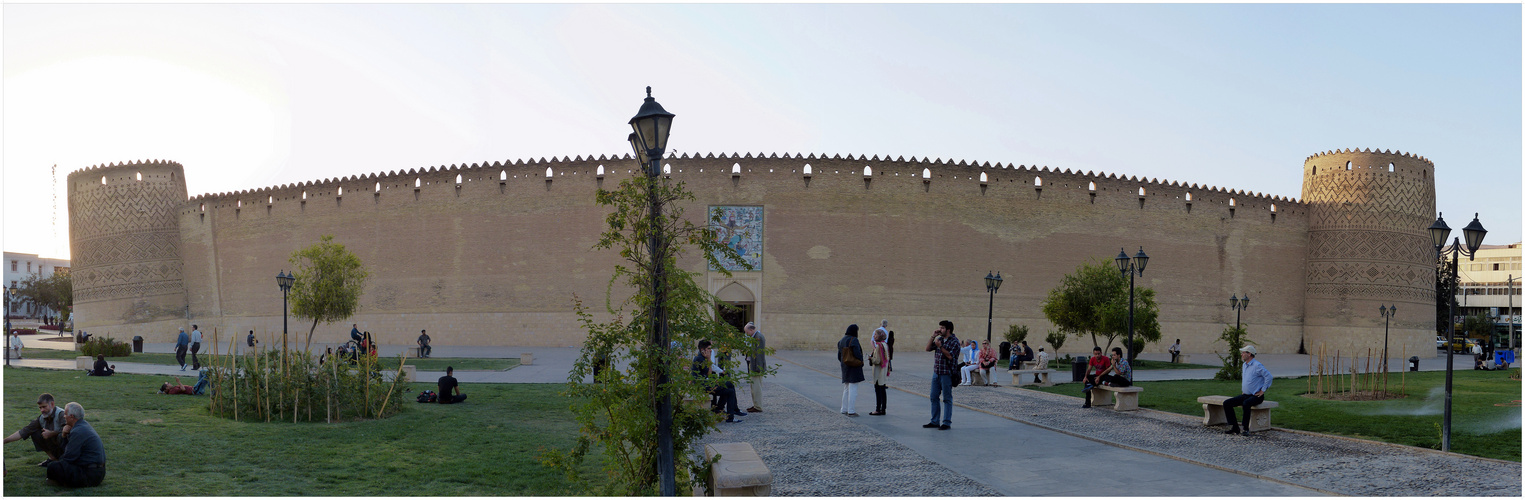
1387, 321
284, 281
1239, 306
10, 293
992, 283
1131, 267
1439, 231
651, 125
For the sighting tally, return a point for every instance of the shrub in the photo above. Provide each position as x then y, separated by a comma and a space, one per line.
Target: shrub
25, 331
1233, 366
1016, 334
110, 347
296, 388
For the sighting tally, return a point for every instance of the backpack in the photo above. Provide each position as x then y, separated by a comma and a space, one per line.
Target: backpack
428, 397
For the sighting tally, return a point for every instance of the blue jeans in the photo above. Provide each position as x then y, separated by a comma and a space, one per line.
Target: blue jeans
942, 384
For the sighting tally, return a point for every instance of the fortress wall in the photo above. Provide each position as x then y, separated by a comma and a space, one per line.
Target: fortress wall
497, 261
1368, 247
124, 241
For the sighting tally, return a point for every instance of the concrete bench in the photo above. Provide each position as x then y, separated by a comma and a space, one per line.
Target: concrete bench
739, 472
84, 363
1127, 397
977, 377
1045, 377
412, 352
1212, 412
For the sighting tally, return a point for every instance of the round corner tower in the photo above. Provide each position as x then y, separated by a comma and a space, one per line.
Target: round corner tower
1368, 247
124, 237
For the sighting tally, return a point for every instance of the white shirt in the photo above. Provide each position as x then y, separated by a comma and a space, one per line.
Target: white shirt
966, 354
195, 336
1175, 347
16, 341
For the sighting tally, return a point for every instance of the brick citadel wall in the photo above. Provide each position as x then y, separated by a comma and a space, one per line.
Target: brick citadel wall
492, 254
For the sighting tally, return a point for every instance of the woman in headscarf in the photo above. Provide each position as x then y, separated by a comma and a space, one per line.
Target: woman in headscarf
987, 361
968, 359
851, 375
879, 358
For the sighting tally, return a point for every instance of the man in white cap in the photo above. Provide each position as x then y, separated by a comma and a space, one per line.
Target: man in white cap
1255, 381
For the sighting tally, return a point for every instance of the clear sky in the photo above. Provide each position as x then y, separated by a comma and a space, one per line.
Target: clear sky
1234, 96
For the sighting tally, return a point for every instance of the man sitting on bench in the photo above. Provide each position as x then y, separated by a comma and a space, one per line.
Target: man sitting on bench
1256, 381
727, 394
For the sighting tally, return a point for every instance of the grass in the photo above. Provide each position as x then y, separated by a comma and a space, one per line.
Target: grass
1485, 419
1063, 364
159, 358
160, 445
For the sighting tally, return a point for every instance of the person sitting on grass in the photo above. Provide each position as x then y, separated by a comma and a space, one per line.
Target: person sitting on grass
449, 388
45, 431
1118, 374
84, 458
1095, 368
101, 369
176, 388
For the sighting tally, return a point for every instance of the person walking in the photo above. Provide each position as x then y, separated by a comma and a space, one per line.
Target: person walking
757, 365
1255, 381
195, 347
943, 345
879, 358
182, 342
850, 355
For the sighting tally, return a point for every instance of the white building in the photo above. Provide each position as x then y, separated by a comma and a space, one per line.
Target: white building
1490, 284
18, 266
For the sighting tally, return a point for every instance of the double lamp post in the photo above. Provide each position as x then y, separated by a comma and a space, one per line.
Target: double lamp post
1131, 267
1449, 257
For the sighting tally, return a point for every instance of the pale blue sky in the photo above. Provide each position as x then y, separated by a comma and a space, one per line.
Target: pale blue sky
1235, 96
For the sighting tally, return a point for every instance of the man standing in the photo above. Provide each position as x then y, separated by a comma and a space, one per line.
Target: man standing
45, 430
84, 459
195, 347
1175, 352
182, 343
251, 340
1255, 381
449, 389
423, 344
943, 345
757, 363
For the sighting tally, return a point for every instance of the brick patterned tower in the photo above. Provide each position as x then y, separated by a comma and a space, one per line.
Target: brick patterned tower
124, 235
1367, 247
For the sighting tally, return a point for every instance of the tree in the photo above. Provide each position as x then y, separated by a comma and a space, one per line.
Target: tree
1476, 326
56, 292
1094, 300
1446, 288
1056, 339
1016, 334
619, 413
1233, 365
329, 281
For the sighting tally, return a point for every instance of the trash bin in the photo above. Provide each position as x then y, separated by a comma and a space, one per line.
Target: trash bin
1413, 363
1005, 350
137, 343
1078, 368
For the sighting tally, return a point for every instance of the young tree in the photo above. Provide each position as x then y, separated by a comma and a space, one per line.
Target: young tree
1233, 365
329, 281
56, 292
619, 413
1094, 300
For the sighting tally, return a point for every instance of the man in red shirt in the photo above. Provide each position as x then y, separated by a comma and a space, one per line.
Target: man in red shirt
1097, 366
175, 388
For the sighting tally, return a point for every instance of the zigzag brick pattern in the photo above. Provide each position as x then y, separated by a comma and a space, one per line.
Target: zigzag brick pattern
124, 232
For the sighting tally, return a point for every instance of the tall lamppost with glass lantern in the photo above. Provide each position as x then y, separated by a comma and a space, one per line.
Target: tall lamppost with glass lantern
992, 283
650, 127
10, 294
1449, 257
1131, 267
284, 281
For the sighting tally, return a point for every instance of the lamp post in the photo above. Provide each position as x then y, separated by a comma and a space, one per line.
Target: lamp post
1239, 306
1439, 231
10, 293
992, 283
1131, 267
651, 125
1387, 321
284, 281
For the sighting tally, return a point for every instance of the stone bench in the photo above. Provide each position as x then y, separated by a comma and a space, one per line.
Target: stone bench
1045, 377
739, 472
977, 377
412, 352
84, 363
1212, 412
1127, 397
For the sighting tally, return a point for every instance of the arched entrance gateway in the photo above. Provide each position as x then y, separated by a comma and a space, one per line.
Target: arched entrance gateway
742, 301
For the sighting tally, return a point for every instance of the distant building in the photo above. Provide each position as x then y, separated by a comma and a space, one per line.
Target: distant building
18, 266
1486, 286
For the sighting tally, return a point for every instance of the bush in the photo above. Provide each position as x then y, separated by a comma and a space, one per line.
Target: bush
1016, 334
296, 388
110, 347
1233, 366
25, 331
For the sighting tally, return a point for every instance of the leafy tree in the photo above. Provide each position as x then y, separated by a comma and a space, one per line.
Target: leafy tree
1447, 286
1094, 300
1233, 365
55, 292
1056, 338
1476, 326
329, 281
1016, 334
618, 415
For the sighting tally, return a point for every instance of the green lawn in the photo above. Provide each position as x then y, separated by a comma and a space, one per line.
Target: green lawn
1485, 406
426, 364
1063, 364
164, 445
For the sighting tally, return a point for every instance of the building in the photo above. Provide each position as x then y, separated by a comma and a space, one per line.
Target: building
1490, 285
496, 253
19, 266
